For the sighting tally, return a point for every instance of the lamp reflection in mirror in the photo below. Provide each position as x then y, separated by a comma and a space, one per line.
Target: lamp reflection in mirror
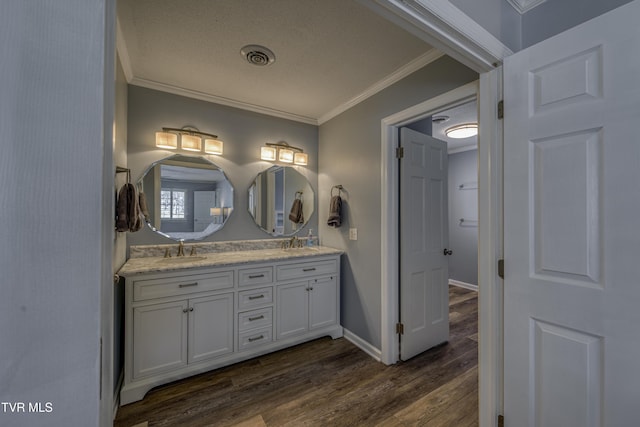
166, 140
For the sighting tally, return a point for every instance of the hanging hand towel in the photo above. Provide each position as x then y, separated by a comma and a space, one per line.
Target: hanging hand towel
128, 210
296, 215
144, 210
335, 212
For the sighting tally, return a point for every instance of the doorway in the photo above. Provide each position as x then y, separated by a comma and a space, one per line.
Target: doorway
390, 201
438, 227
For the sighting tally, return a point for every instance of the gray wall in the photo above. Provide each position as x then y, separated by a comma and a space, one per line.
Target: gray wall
56, 74
496, 16
463, 237
554, 16
243, 133
350, 154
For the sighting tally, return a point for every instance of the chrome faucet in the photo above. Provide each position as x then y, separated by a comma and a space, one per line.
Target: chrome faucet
181, 248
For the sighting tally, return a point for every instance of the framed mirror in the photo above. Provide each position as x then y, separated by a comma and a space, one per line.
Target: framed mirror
188, 198
281, 200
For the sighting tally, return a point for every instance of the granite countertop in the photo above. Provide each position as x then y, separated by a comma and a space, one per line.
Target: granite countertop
155, 264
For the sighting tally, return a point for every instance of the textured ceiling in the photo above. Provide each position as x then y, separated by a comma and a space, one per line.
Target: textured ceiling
327, 51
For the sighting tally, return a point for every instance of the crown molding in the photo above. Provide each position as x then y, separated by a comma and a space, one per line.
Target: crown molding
150, 84
123, 53
523, 6
447, 28
392, 78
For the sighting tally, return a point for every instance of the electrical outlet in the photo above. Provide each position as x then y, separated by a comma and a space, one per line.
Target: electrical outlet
353, 234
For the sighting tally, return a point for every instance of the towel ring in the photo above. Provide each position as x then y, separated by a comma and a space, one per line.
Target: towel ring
339, 187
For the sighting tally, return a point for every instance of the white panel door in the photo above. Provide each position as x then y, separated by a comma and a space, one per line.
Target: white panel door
210, 327
424, 267
203, 201
572, 239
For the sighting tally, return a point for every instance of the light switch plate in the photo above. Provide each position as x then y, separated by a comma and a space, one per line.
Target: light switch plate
353, 234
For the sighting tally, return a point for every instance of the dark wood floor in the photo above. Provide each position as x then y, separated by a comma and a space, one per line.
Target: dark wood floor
329, 383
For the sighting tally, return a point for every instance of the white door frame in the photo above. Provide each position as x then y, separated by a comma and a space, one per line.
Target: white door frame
390, 198
486, 92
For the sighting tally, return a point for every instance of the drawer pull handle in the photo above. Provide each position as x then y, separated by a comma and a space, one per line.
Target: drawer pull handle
256, 338
256, 296
186, 285
256, 276
309, 269
252, 319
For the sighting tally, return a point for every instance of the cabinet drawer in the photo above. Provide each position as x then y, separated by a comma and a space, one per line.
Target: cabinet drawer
255, 276
254, 338
255, 319
255, 298
306, 269
167, 287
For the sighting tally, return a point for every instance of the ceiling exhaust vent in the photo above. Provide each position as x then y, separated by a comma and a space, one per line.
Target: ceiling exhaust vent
258, 55
439, 119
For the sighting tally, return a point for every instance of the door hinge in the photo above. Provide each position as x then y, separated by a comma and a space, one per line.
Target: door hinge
399, 328
400, 152
500, 420
501, 268
501, 109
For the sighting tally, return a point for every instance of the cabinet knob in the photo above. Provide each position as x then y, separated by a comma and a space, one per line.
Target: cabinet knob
185, 310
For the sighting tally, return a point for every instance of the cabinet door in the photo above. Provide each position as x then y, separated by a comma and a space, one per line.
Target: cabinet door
292, 310
323, 302
210, 327
159, 338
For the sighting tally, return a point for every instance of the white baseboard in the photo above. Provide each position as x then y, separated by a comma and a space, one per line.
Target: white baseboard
363, 345
116, 397
463, 285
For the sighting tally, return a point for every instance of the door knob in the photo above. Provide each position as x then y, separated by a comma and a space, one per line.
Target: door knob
447, 251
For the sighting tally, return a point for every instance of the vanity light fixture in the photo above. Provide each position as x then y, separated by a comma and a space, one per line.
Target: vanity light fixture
464, 130
166, 140
284, 153
190, 140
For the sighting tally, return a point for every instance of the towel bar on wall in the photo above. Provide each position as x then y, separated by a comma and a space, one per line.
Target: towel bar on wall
468, 186
120, 169
468, 222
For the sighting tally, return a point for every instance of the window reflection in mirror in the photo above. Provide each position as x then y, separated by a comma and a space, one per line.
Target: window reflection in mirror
272, 200
188, 197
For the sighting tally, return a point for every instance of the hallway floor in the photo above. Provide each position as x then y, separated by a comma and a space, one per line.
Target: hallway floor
329, 383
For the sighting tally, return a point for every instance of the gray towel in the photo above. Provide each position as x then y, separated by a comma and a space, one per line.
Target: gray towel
296, 215
128, 217
335, 212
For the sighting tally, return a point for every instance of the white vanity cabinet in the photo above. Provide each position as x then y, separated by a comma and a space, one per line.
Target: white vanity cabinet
189, 320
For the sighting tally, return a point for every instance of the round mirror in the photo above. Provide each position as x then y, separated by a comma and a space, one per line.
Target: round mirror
188, 198
281, 200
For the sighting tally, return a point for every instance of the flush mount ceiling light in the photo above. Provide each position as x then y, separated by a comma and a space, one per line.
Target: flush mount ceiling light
258, 55
464, 130
284, 153
190, 140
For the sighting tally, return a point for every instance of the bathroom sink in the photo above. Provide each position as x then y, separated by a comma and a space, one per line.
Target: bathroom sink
182, 259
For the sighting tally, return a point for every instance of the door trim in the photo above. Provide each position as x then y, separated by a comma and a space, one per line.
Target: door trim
487, 90
390, 198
